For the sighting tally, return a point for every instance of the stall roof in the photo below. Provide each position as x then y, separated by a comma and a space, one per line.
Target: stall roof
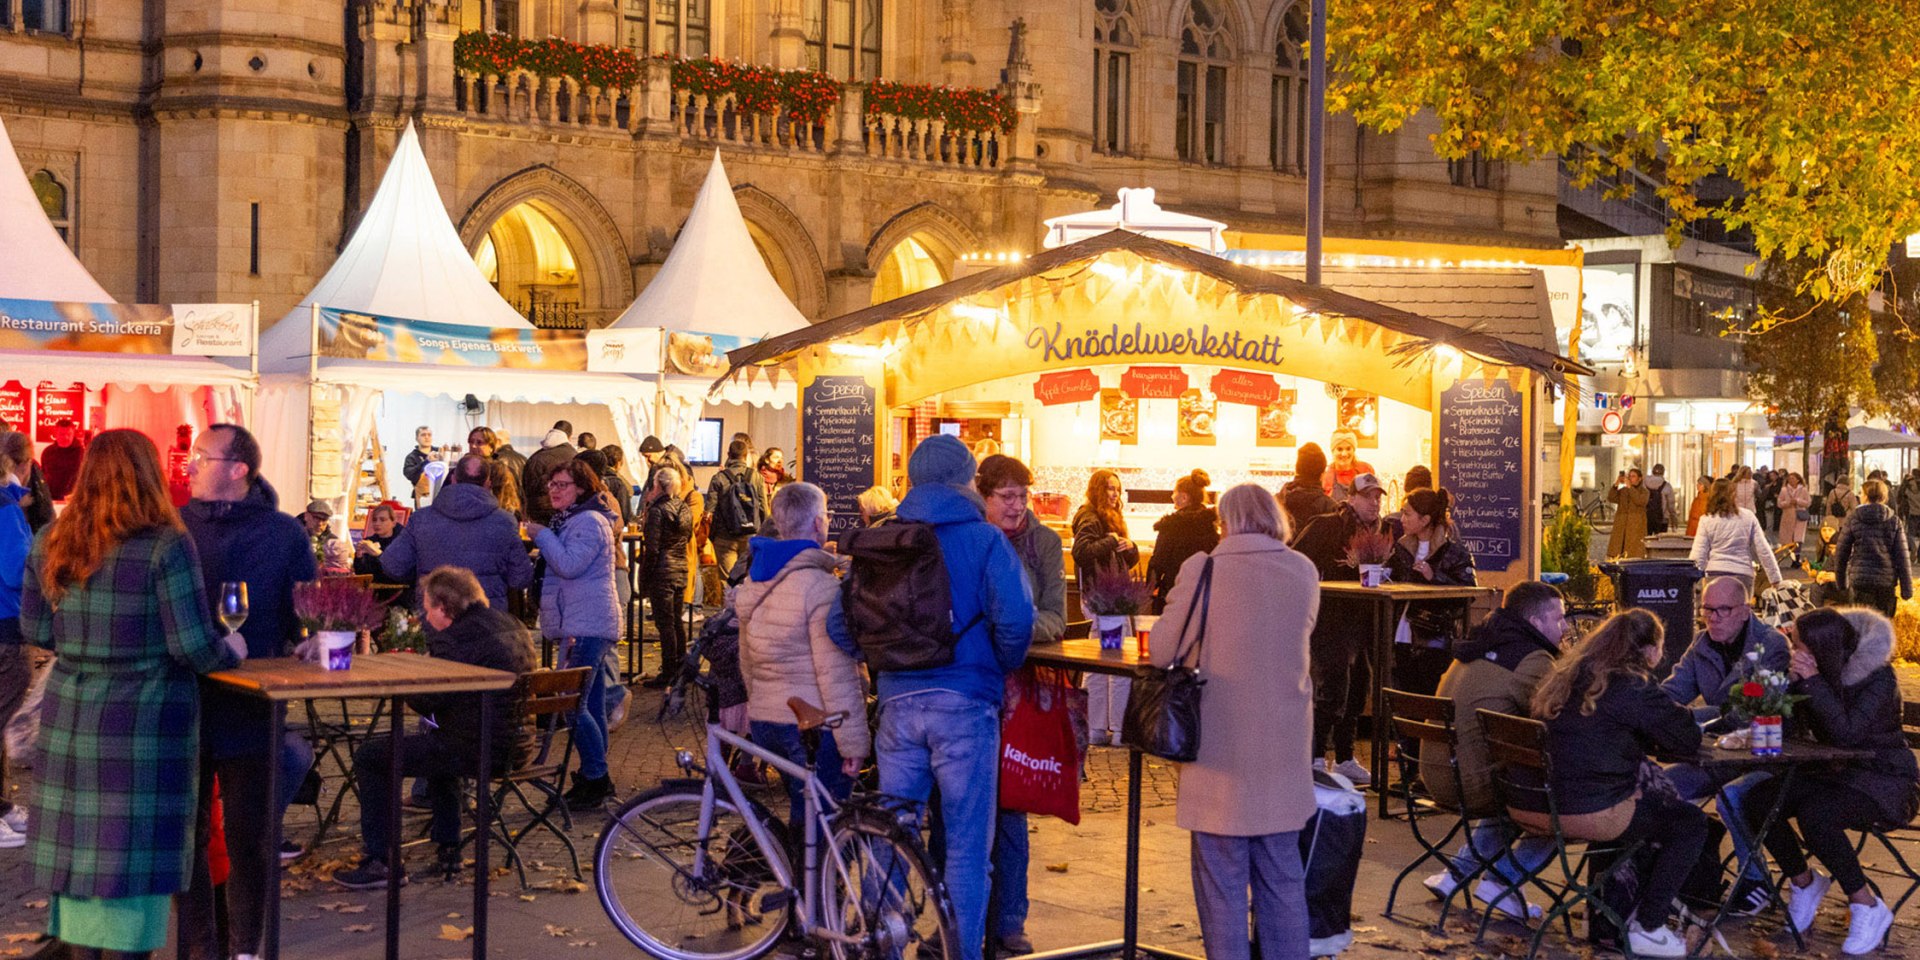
1245, 280
1509, 304
38, 265
1874, 438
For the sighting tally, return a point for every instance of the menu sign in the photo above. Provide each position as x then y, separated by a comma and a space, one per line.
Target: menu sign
1154, 383
836, 444
16, 404
59, 401
1482, 457
1241, 386
1066, 386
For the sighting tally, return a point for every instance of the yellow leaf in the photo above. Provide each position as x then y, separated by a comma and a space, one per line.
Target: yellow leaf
454, 934
357, 928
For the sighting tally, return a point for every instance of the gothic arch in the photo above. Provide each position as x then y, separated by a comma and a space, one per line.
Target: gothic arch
1275, 28
1239, 22
788, 239
606, 274
951, 236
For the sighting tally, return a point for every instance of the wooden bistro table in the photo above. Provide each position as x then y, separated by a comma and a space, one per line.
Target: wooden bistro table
1386, 604
379, 676
1087, 656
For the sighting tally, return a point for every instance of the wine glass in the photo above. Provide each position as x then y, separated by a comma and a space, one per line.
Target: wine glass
233, 605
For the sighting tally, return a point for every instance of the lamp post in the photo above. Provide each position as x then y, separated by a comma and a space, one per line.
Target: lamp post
1316, 135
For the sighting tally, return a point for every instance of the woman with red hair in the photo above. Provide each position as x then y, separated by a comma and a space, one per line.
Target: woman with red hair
113, 588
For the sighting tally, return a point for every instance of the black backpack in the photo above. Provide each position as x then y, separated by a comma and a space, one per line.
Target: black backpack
897, 598
736, 511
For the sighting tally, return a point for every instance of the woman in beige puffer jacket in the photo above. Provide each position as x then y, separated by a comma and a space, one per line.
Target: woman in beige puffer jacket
789, 616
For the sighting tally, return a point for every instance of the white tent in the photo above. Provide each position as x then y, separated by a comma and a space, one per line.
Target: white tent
405, 261
39, 266
1136, 212
712, 295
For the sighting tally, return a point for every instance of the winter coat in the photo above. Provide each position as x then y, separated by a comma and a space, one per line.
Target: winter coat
1743, 493
697, 516
1733, 544
515, 460
1871, 550
668, 527
986, 582
554, 451
1496, 667
1629, 537
118, 776
622, 495
1343, 622
578, 598
1861, 709
1179, 535
482, 637
250, 541
1694, 513
16, 541
1251, 777
62, 466
1038, 548
1793, 499
1597, 757
1659, 503
721, 489
415, 464
1301, 501
787, 648
1434, 622
1704, 673
1095, 546
464, 527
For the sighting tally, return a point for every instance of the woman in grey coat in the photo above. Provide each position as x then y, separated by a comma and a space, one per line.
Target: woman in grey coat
580, 608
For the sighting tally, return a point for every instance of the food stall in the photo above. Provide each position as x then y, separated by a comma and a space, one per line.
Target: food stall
1149, 358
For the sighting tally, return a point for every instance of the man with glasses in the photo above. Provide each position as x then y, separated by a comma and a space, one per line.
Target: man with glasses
1705, 675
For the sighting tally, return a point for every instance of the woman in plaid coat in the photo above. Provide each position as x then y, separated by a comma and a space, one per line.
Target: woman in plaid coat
113, 588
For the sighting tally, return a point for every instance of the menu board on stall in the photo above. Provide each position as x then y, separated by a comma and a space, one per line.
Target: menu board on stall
836, 437
16, 403
57, 402
1482, 463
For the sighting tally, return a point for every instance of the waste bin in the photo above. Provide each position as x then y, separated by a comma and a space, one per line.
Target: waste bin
1664, 588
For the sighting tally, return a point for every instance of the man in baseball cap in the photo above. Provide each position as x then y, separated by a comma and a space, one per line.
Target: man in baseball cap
1340, 635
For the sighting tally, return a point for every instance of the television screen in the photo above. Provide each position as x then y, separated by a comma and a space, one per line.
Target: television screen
705, 450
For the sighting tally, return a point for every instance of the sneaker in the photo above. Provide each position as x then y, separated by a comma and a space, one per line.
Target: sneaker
371, 874
1513, 906
1868, 928
16, 818
1803, 903
588, 795
1016, 944
290, 851
1099, 738
1749, 899
1354, 772
1441, 885
1116, 740
1658, 942
11, 838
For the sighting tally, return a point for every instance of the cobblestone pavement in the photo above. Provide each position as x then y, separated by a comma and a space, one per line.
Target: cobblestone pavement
1075, 883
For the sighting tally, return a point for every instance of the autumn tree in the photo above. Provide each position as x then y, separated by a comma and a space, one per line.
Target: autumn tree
1817, 369
1808, 104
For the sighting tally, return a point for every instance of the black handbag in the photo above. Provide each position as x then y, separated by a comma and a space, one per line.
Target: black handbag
1163, 711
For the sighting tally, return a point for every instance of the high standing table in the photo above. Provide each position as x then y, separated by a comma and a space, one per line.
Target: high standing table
282, 680
1386, 604
1087, 656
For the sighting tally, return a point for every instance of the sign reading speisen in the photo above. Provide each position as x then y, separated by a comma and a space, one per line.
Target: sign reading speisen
836, 444
1482, 463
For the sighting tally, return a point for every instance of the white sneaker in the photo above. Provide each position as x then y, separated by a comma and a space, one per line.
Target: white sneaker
16, 818
1803, 903
1658, 942
1441, 885
1354, 772
1514, 905
1117, 740
1868, 927
10, 838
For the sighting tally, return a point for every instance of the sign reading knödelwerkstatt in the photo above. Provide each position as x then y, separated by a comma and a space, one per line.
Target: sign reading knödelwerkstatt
184, 329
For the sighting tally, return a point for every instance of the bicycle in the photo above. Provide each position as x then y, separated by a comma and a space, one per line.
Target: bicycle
696, 870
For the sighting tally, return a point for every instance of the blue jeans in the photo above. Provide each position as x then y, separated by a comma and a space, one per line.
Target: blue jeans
590, 727
1694, 783
785, 740
946, 738
1491, 838
1011, 855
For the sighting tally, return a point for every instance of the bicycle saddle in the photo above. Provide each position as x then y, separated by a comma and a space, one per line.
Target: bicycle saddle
812, 717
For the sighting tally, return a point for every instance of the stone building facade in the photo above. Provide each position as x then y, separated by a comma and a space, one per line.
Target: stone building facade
219, 150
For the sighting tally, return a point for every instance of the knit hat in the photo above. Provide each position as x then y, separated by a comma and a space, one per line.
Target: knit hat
941, 459
651, 444
553, 438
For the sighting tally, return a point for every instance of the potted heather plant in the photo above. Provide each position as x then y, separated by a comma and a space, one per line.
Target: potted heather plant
1368, 551
335, 610
1113, 594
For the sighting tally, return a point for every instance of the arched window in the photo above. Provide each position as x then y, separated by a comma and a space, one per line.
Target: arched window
1113, 45
53, 199
843, 37
1200, 86
1287, 116
506, 16
678, 27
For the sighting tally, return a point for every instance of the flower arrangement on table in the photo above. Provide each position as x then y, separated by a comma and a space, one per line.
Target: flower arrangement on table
405, 633
335, 611
1112, 594
1761, 692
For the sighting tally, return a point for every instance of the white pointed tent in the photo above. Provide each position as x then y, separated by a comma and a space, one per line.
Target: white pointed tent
405, 261
39, 266
713, 291
1137, 212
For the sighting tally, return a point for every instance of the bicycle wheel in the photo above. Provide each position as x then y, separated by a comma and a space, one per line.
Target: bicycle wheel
876, 886
670, 903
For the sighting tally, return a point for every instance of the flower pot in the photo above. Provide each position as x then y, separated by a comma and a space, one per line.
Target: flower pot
1373, 574
1764, 736
336, 648
1112, 629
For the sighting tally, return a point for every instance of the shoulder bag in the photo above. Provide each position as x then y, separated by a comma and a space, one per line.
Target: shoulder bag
1163, 711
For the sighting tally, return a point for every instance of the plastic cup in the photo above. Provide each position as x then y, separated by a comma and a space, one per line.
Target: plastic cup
336, 649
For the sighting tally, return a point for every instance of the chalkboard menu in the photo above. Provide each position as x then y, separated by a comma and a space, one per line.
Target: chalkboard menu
1482, 463
836, 437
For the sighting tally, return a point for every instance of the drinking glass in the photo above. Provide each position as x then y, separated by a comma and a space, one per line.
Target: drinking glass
233, 606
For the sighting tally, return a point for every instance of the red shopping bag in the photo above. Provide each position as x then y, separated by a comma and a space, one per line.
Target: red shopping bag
1039, 755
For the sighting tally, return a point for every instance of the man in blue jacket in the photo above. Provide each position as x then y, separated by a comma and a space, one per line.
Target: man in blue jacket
240, 534
942, 726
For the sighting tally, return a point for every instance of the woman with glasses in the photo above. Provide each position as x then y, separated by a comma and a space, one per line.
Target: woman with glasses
580, 609
1730, 540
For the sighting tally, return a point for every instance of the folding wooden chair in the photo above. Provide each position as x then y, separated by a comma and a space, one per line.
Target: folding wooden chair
1429, 720
1890, 835
551, 699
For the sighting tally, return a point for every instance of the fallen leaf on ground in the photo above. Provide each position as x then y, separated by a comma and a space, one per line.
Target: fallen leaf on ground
36, 904
13, 952
1056, 868
22, 937
564, 885
353, 908
582, 943
453, 916
556, 930
527, 898
357, 928
454, 934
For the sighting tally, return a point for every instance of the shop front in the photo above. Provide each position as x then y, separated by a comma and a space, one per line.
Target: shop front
1130, 354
